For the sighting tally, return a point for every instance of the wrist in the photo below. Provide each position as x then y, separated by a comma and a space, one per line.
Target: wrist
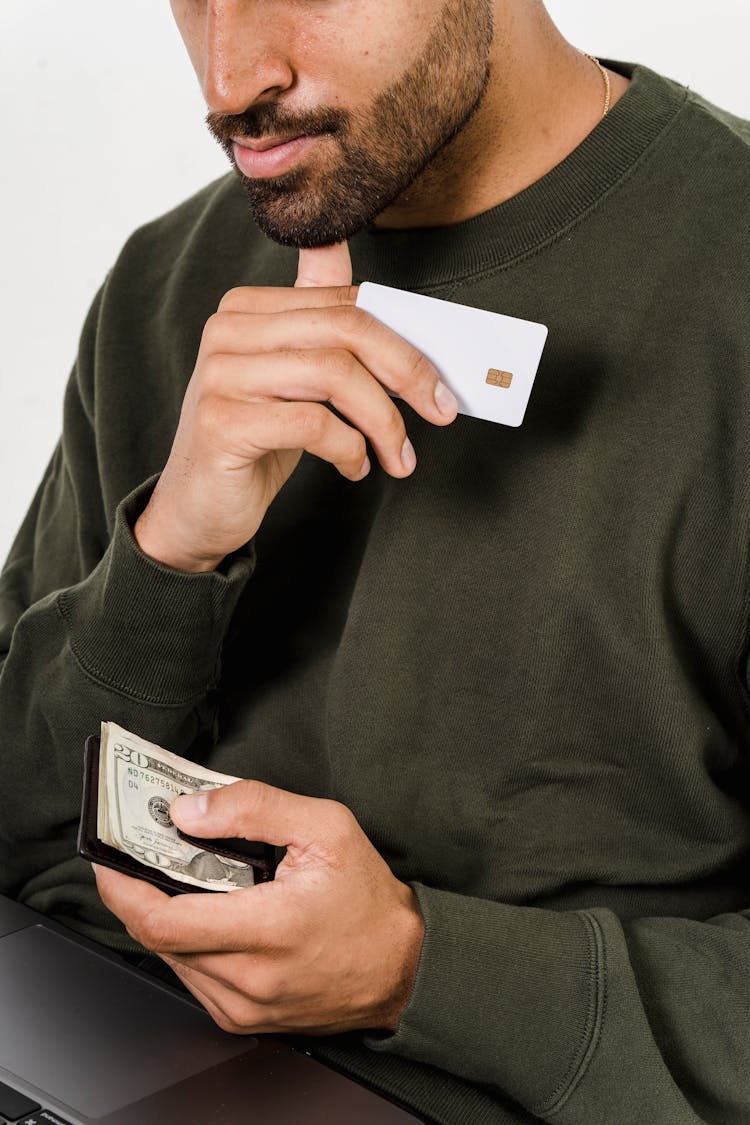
154, 539
407, 939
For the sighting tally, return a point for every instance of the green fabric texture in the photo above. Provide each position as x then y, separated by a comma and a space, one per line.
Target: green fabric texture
524, 668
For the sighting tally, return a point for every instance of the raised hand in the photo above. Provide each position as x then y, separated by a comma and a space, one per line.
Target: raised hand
269, 362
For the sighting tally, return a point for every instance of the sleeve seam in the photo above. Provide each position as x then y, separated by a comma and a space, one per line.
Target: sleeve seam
591, 1035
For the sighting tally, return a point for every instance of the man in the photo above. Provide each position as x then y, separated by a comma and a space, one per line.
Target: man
491, 695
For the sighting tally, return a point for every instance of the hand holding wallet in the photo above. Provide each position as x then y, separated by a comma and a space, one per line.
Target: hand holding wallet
128, 787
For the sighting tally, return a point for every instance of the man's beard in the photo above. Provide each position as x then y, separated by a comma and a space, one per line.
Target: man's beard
382, 149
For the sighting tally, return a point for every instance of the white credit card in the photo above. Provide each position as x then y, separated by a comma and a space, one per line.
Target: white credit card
488, 360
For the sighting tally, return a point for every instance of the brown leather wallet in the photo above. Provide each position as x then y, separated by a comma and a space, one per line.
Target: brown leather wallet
262, 858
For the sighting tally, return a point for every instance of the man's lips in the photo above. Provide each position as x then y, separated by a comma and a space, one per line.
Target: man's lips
262, 157
261, 144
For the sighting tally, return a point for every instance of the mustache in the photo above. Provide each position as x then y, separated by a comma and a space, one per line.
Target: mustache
271, 119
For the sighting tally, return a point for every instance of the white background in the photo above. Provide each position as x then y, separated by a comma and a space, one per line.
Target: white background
102, 129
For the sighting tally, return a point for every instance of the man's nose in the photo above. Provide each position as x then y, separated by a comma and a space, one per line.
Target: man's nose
246, 62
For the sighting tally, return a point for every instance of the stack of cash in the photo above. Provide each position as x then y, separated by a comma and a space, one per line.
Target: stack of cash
137, 783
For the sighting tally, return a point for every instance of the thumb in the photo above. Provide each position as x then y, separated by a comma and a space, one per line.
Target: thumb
249, 810
326, 266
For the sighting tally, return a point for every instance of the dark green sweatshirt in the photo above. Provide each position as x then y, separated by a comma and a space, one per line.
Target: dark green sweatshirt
523, 668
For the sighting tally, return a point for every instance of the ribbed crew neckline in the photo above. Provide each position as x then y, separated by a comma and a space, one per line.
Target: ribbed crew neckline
430, 257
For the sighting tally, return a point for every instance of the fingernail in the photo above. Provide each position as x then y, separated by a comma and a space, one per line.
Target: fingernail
408, 456
445, 400
365, 468
191, 806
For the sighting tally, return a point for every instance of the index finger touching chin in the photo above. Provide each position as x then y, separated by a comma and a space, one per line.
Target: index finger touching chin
324, 266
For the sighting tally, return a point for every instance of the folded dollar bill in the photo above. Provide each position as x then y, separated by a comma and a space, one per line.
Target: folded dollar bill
137, 782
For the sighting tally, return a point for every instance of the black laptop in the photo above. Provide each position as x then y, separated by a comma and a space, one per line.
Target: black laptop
86, 1039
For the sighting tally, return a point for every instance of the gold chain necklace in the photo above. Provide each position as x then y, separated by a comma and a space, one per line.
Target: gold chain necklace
607, 83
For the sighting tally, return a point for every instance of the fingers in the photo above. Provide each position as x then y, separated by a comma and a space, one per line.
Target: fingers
249, 431
265, 299
264, 385
393, 362
123, 892
218, 1000
312, 344
190, 923
253, 810
213, 997
328, 265
246, 998
354, 377
234, 972
233, 989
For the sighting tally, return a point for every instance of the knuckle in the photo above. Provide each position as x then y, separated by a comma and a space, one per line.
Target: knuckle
212, 374
335, 364
240, 800
267, 987
312, 421
419, 369
346, 294
213, 414
350, 320
214, 331
237, 1010
153, 932
359, 450
212, 325
340, 818
394, 425
223, 1021
233, 1011
300, 357
237, 299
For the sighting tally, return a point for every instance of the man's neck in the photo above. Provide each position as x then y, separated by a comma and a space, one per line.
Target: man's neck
544, 98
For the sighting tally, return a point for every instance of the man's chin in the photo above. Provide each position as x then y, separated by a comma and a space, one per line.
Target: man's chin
305, 239
298, 227
291, 212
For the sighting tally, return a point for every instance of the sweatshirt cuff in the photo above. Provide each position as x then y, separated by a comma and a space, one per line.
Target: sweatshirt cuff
145, 630
508, 996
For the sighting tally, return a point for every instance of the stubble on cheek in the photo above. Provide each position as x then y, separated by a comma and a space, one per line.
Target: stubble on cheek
370, 156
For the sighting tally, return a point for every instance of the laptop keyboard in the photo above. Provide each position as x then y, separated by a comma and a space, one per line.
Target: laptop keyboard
16, 1107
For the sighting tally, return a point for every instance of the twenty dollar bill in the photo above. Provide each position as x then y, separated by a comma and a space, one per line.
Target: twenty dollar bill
137, 783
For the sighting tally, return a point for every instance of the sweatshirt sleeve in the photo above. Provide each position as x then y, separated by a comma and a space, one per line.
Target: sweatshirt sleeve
581, 1017
92, 629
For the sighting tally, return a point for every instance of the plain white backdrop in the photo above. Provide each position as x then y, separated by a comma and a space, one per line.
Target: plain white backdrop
102, 129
